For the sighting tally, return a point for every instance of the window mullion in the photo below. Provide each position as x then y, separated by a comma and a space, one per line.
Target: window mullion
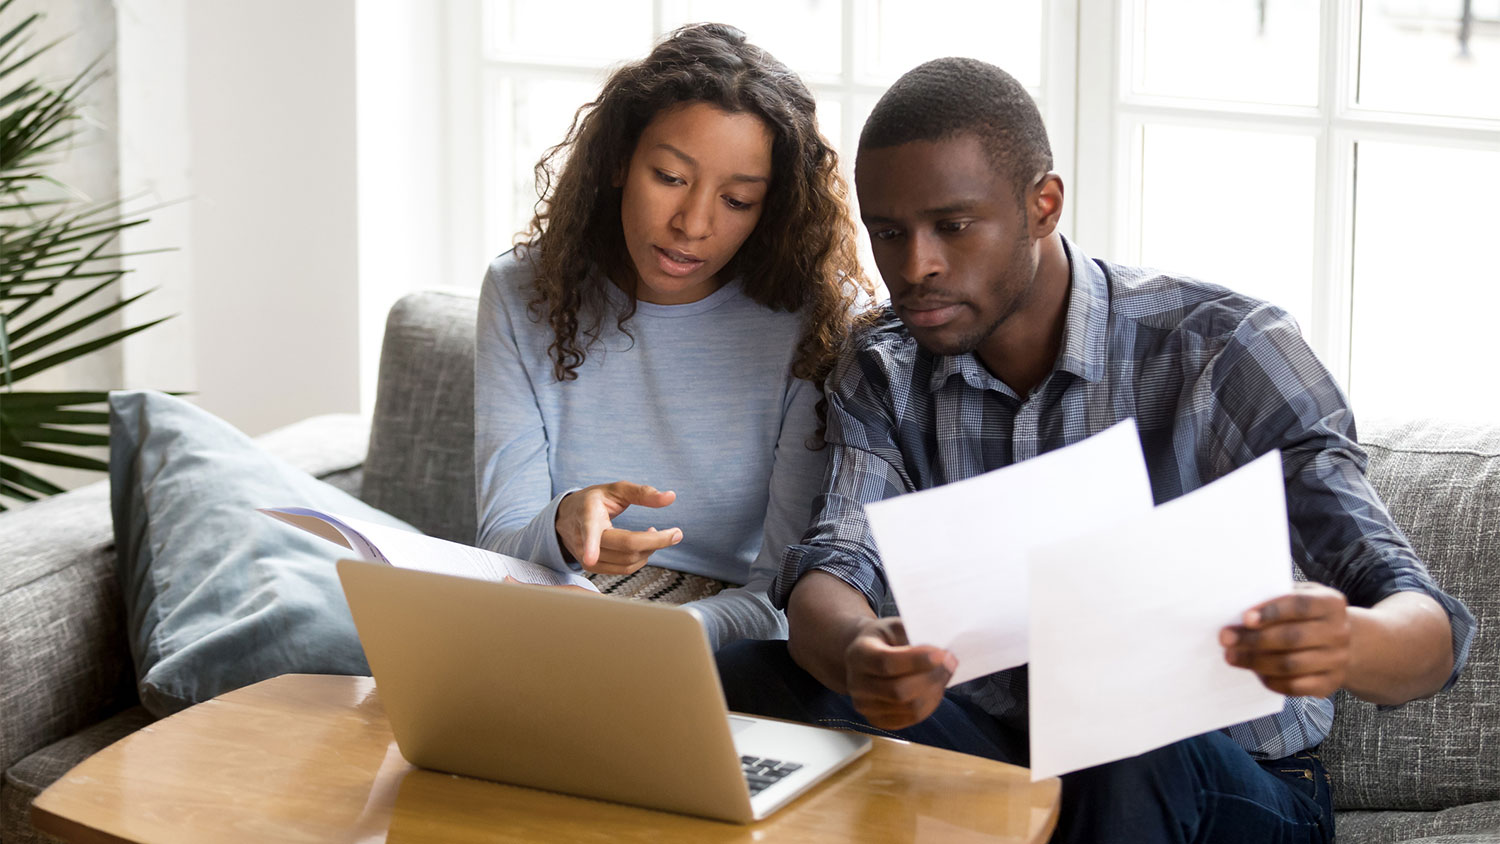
1096, 192
1334, 241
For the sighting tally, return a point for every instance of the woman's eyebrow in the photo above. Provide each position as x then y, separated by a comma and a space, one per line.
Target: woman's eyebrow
693, 162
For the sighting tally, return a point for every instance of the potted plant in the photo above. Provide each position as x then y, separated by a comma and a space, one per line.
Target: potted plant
55, 255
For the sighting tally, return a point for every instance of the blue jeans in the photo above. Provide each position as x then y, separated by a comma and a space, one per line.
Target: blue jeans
1205, 789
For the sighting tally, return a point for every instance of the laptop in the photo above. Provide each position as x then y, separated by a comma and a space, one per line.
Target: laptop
576, 693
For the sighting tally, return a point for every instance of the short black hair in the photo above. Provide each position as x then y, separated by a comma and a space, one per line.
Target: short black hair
953, 96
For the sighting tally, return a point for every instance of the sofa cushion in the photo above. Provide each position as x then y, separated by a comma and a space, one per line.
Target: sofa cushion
1478, 822
1442, 485
218, 596
421, 462
28, 777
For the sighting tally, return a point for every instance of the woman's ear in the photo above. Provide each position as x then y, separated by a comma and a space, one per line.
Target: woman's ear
618, 181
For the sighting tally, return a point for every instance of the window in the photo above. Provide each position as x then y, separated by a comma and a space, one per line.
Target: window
847, 51
1339, 158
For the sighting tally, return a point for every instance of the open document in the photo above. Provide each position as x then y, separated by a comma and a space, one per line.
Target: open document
956, 556
1125, 653
409, 550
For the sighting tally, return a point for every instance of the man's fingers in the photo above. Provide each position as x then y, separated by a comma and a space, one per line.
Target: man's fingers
902, 702
1292, 636
1286, 664
638, 541
879, 659
1305, 602
1306, 685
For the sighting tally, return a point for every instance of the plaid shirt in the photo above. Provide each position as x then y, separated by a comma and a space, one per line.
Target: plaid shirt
1213, 379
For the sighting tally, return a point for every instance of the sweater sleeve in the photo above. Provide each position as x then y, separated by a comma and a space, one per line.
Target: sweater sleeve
513, 483
746, 612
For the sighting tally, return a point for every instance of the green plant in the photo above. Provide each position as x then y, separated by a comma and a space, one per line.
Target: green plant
55, 254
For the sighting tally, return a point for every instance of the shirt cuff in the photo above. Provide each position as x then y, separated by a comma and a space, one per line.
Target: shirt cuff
801, 559
549, 549
1460, 619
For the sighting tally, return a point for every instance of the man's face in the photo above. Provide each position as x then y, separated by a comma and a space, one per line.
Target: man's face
950, 237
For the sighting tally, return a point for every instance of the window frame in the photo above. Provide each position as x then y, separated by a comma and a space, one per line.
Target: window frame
472, 75
1111, 117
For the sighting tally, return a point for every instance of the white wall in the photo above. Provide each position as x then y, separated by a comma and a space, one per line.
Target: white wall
85, 32
403, 212
242, 114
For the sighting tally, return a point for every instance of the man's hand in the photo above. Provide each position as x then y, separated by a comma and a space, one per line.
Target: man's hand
586, 532
1299, 643
894, 684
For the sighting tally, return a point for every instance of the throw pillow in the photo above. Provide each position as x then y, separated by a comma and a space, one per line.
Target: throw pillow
218, 596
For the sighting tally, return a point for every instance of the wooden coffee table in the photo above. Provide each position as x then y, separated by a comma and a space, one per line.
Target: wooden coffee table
310, 758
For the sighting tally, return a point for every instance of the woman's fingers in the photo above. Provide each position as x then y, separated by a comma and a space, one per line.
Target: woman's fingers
624, 551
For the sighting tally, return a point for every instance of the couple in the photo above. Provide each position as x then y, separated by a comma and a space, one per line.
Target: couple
687, 289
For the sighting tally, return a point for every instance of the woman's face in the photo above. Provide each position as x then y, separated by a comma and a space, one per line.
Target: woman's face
692, 194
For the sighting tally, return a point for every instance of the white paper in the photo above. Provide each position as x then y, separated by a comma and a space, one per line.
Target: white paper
1125, 653
408, 550
956, 556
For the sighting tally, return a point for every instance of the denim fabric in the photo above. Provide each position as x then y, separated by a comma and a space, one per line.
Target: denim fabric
1205, 789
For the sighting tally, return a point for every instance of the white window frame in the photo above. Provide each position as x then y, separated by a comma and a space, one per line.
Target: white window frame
470, 73
1110, 117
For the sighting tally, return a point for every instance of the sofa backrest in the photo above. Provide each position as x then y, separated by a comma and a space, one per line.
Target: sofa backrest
420, 467
1441, 483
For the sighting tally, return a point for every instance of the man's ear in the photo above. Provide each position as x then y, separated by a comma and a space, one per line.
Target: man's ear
1044, 204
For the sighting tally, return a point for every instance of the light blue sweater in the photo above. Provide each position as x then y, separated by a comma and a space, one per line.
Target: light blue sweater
701, 402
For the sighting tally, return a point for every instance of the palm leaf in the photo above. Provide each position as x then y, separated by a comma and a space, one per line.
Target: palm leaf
53, 457
50, 401
42, 319
20, 373
14, 491
48, 248
62, 417
11, 473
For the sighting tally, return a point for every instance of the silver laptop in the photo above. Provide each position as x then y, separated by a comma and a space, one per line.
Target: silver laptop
577, 693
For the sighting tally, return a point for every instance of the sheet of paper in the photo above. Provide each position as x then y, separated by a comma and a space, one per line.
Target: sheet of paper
379, 543
956, 555
1125, 653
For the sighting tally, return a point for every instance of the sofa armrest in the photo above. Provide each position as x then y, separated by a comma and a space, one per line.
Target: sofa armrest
63, 654
64, 657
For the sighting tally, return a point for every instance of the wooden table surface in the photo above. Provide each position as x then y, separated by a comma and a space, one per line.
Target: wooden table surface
311, 758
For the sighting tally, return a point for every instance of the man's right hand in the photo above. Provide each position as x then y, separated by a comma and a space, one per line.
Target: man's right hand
892, 683
585, 529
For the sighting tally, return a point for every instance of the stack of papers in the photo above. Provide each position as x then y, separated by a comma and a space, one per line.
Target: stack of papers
1062, 562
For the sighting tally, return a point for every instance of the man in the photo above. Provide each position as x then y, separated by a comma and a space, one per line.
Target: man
1004, 341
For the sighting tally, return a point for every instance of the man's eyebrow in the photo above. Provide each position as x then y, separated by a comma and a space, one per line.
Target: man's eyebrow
960, 207
693, 162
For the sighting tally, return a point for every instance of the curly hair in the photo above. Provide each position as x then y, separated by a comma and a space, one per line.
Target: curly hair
801, 256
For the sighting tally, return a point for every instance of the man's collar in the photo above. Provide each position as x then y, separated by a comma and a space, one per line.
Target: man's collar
1085, 340
1085, 343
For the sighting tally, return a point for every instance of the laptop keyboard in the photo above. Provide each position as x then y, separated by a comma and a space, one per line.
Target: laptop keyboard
761, 773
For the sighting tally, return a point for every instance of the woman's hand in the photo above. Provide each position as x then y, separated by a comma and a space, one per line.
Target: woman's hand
586, 532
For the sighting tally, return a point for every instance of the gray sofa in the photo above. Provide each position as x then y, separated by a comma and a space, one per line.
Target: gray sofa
1429, 771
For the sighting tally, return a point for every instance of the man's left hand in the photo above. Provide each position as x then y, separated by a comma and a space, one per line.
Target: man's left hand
1298, 644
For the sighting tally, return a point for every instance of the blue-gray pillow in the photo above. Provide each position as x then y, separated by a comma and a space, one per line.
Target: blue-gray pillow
218, 596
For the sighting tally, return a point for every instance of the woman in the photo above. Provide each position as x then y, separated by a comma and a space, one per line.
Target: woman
649, 360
